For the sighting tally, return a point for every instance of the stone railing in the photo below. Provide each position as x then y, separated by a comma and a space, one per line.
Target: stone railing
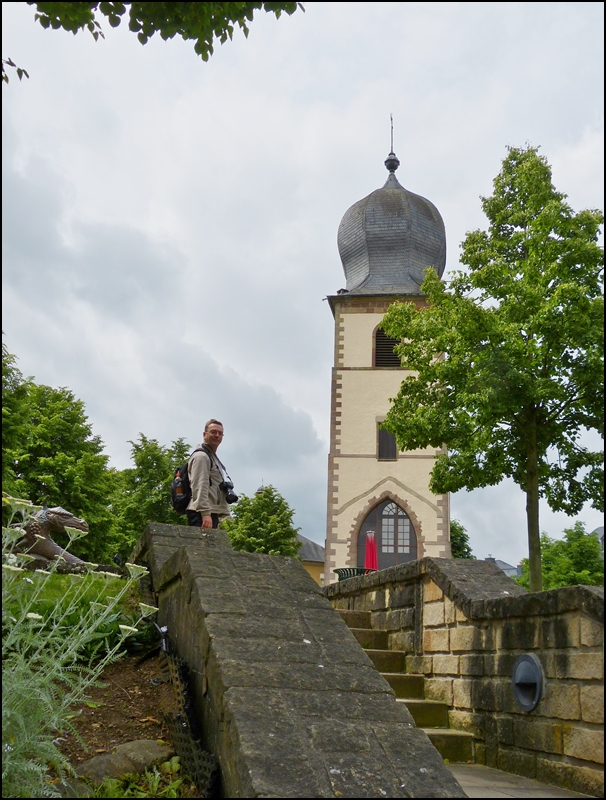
463, 624
286, 699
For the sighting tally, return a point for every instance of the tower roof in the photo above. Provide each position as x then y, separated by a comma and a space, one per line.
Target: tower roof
388, 239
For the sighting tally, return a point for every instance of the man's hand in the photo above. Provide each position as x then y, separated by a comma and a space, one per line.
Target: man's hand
207, 522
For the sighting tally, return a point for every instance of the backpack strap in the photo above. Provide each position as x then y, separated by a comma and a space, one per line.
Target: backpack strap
202, 449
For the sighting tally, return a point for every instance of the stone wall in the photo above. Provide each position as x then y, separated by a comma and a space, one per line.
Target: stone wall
463, 624
288, 701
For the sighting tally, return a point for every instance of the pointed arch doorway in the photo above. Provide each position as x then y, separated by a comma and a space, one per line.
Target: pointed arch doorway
394, 532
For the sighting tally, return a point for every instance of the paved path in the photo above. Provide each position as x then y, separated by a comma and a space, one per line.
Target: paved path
478, 781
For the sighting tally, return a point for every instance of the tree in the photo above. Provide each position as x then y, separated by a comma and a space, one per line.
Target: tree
202, 22
263, 524
575, 559
50, 456
508, 362
142, 492
459, 540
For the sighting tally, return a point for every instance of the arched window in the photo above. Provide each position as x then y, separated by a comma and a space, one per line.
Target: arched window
394, 533
384, 355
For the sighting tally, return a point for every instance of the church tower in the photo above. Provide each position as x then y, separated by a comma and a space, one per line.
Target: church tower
386, 241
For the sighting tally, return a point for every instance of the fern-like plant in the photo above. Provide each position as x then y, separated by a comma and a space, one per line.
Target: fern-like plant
43, 672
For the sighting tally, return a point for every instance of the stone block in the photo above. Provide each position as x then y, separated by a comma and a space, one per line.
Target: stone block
530, 734
465, 638
376, 600
387, 620
584, 744
487, 694
472, 665
519, 634
592, 704
419, 665
433, 614
402, 596
466, 721
580, 666
505, 730
516, 762
591, 632
460, 615
560, 701
431, 591
439, 689
560, 632
435, 640
450, 611
462, 693
402, 640
446, 665
570, 776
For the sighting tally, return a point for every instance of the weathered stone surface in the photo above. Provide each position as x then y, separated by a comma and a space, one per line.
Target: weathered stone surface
436, 640
289, 703
592, 704
570, 776
531, 734
433, 614
585, 744
144, 753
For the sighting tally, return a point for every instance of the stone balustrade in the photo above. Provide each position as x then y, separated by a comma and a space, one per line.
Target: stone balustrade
462, 624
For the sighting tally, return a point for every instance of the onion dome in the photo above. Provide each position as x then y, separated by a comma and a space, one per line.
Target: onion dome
388, 239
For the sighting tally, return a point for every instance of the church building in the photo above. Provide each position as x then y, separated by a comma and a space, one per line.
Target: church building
386, 241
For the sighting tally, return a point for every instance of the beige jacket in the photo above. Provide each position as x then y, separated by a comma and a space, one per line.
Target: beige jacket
206, 497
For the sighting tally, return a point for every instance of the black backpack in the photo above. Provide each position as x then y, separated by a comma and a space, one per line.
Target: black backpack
180, 489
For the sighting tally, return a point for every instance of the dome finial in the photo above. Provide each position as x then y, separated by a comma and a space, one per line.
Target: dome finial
392, 162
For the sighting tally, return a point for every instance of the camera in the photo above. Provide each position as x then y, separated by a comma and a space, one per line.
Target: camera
228, 488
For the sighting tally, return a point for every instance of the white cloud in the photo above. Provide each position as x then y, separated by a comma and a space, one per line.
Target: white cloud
170, 225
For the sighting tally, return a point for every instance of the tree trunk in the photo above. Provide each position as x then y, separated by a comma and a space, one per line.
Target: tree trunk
532, 506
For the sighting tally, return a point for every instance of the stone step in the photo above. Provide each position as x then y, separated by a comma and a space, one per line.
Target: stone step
356, 619
427, 713
452, 745
369, 639
388, 660
405, 686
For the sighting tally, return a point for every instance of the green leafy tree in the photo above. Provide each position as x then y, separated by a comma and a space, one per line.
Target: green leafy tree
459, 540
51, 456
263, 524
15, 414
143, 492
508, 361
575, 559
204, 23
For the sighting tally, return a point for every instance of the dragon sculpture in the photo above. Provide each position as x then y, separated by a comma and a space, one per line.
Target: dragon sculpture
37, 540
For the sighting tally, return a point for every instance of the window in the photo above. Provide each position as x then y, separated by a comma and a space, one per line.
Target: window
394, 533
387, 448
384, 355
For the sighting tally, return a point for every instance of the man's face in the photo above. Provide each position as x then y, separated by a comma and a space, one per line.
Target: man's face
213, 435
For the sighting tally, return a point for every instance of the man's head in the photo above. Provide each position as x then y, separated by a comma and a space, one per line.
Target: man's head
213, 433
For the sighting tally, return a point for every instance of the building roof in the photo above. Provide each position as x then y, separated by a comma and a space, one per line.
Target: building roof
310, 551
388, 239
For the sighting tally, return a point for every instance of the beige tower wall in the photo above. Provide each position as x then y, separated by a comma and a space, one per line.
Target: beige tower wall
357, 480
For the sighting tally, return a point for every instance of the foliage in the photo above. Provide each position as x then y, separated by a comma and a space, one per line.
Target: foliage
507, 363
202, 22
263, 524
459, 540
142, 493
159, 782
49, 453
8, 62
43, 675
575, 559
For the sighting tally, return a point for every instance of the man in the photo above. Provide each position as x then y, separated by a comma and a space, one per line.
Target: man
208, 505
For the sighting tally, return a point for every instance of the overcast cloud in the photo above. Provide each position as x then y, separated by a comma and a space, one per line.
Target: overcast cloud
170, 226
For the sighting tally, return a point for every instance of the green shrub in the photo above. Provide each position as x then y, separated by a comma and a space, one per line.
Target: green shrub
54, 647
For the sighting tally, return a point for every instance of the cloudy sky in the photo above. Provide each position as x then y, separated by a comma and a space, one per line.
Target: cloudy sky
170, 226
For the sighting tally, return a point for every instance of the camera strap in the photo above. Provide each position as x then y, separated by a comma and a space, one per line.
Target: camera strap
214, 457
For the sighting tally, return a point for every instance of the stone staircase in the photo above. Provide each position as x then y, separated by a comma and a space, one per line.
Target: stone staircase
430, 715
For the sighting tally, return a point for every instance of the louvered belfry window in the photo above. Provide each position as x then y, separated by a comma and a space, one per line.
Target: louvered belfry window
384, 354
